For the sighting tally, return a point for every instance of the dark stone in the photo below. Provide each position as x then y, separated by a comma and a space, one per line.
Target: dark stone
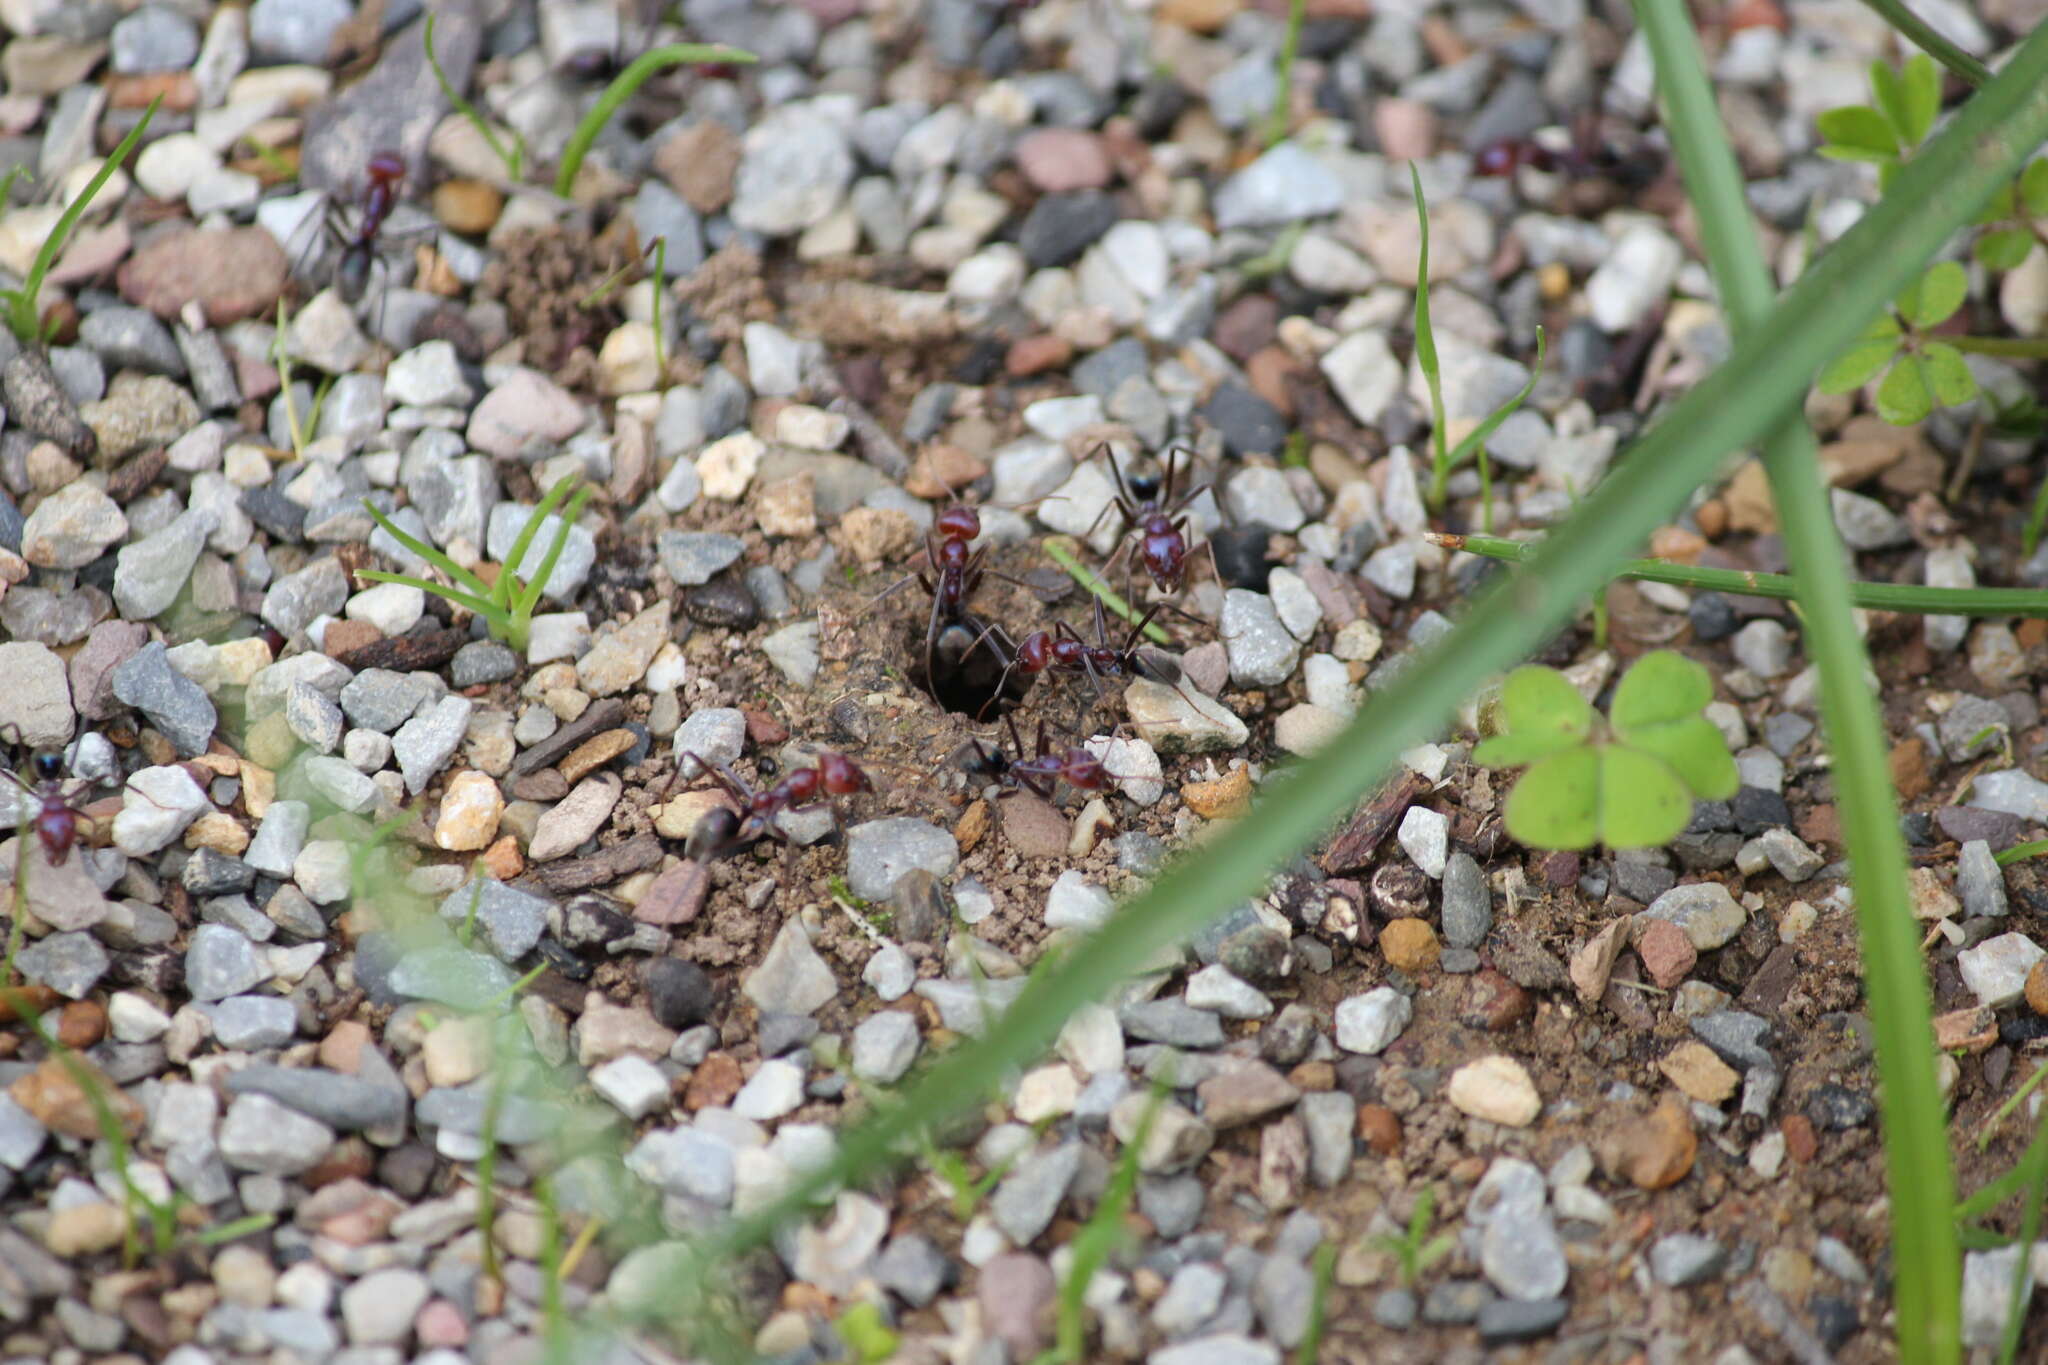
213, 873
725, 601
1712, 617
588, 923
564, 961
1105, 371
1510, 1320
1835, 1107
482, 661
275, 513
679, 993
1061, 226
1250, 425
1834, 1319
1757, 809
1994, 827
377, 956
1286, 1038
406, 1169
1241, 555
421, 651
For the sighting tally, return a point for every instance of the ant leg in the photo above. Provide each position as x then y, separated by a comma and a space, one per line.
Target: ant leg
725, 777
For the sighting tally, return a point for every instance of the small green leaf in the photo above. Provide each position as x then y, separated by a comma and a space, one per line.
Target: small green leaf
1888, 92
1661, 687
2034, 189
1644, 804
1923, 98
1858, 365
1556, 804
1933, 298
1904, 397
1542, 713
2004, 249
2002, 204
1950, 375
1695, 750
1886, 162
1857, 132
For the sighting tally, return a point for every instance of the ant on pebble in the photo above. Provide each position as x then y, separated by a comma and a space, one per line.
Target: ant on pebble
723, 830
1063, 650
384, 176
1155, 521
1041, 773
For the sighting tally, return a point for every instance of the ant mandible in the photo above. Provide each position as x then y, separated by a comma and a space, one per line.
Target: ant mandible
832, 775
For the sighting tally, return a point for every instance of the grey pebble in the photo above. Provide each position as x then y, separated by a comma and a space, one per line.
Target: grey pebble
1682, 1258
254, 1023
70, 964
174, 704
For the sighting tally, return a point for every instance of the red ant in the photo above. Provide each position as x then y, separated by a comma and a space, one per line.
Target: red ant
56, 820
1063, 650
957, 571
1148, 507
1039, 774
1588, 156
720, 830
385, 174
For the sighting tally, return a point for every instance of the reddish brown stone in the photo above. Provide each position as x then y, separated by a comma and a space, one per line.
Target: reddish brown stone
1060, 160
1801, 1144
1652, 1152
1495, 1003
676, 896
1380, 1127
1037, 354
53, 1095
763, 728
1410, 945
346, 637
1246, 326
1667, 954
233, 273
81, 1024
715, 1081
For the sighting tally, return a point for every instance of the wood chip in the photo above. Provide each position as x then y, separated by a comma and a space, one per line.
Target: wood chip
1353, 849
638, 853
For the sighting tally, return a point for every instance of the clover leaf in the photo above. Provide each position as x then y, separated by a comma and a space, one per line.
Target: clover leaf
1628, 784
1920, 373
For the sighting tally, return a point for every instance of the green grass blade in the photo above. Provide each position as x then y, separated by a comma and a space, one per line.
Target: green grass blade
1922, 35
513, 161
1060, 553
481, 606
507, 589
622, 89
26, 325
528, 596
1737, 404
1425, 351
1921, 1182
2033, 1168
427, 552
1283, 69
1912, 598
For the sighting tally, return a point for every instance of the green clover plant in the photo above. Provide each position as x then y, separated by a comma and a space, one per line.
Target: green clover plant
1921, 373
1627, 782
506, 605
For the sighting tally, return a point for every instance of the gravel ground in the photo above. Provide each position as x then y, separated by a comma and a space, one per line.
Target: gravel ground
920, 252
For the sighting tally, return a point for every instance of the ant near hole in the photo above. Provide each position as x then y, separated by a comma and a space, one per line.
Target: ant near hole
963, 657
723, 830
1155, 523
1063, 650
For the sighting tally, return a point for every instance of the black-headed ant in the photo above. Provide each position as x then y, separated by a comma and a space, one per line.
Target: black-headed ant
723, 830
1040, 773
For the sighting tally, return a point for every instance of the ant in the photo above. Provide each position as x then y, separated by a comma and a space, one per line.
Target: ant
1588, 156
56, 819
1063, 650
957, 571
1147, 506
385, 174
1039, 774
720, 830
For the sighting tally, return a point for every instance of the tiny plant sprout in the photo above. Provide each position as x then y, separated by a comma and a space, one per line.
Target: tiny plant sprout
1627, 782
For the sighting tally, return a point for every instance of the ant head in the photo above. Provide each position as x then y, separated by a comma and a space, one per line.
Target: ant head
49, 767
1145, 486
959, 522
386, 167
842, 775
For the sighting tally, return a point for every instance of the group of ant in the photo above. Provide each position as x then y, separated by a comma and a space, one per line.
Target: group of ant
970, 664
